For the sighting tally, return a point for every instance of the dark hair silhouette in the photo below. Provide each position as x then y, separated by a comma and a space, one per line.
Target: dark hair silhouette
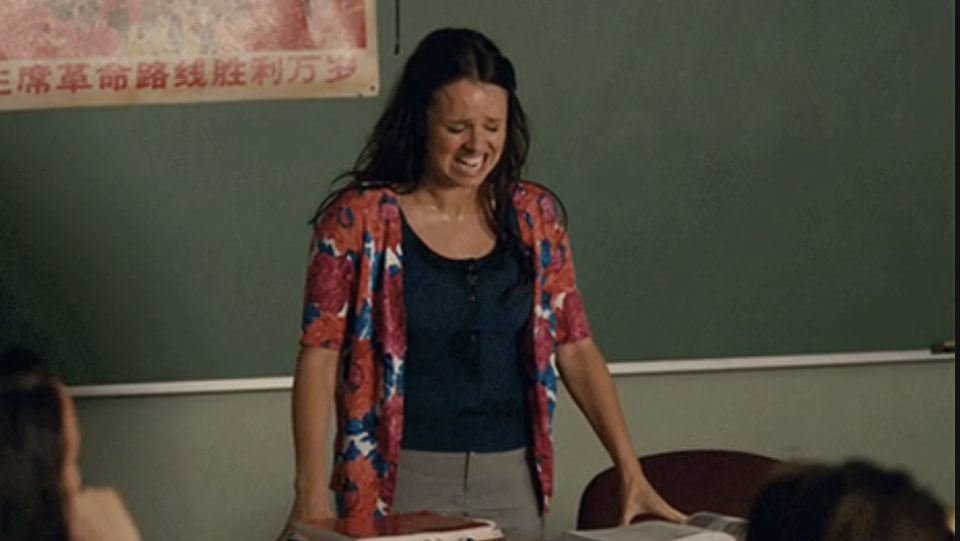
31, 451
855, 501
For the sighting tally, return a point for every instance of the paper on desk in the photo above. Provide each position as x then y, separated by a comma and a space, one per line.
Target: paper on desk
648, 531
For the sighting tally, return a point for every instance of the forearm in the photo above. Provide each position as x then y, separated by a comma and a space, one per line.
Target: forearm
585, 374
314, 387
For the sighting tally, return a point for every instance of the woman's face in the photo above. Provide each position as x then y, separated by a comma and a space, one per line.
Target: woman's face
466, 132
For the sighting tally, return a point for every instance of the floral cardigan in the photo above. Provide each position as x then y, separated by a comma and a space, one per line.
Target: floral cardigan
354, 304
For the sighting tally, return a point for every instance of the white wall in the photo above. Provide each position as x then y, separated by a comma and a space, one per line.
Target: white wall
220, 467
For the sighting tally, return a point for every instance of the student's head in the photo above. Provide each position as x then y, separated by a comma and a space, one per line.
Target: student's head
855, 501
39, 448
453, 117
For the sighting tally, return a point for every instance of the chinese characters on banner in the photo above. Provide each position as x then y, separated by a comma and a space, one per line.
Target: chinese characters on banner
74, 53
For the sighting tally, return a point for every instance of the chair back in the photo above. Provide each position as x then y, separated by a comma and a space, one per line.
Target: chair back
721, 481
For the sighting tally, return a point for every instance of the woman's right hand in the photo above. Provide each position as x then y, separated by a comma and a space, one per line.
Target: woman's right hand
305, 508
314, 388
98, 514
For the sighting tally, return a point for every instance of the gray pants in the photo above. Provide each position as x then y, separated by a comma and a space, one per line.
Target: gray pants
495, 486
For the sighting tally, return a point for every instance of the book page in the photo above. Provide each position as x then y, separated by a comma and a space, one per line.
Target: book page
654, 530
735, 526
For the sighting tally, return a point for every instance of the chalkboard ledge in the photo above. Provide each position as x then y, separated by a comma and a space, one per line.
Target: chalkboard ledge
631, 368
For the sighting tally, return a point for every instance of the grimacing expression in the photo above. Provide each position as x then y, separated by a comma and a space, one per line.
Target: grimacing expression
466, 132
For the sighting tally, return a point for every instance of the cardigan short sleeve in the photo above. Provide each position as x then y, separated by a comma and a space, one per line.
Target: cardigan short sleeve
331, 275
572, 323
557, 268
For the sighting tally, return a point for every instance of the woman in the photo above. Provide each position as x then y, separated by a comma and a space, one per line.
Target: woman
440, 304
41, 496
855, 501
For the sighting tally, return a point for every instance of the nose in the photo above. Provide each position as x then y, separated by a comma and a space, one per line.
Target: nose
474, 139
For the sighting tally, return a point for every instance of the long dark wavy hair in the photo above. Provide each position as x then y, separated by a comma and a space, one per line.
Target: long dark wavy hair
31, 451
395, 152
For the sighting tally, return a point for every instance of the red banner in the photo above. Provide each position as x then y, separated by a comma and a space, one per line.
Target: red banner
56, 53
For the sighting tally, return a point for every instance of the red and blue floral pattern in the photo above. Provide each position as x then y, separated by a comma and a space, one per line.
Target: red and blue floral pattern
354, 304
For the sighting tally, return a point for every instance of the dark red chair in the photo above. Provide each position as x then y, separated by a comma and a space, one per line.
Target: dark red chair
721, 481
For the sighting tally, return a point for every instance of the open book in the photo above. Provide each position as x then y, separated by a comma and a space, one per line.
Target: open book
701, 526
417, 526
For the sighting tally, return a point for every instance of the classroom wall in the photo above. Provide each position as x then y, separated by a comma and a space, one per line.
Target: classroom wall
786, 168
220, 467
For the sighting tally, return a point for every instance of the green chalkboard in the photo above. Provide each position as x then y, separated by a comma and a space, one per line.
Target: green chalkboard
743, 178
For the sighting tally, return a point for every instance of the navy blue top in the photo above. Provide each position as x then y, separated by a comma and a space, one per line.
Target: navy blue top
466, 383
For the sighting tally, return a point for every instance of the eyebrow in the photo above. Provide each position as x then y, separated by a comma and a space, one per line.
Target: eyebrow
487, 120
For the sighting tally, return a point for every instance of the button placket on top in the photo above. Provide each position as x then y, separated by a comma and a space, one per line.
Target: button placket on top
472, 279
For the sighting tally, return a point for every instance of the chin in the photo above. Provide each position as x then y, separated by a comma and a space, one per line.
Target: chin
467, 181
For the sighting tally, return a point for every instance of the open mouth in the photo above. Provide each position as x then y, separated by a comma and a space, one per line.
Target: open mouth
469, 165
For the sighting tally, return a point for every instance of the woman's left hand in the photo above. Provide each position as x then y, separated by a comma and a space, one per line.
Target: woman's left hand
638, 497
587, 377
